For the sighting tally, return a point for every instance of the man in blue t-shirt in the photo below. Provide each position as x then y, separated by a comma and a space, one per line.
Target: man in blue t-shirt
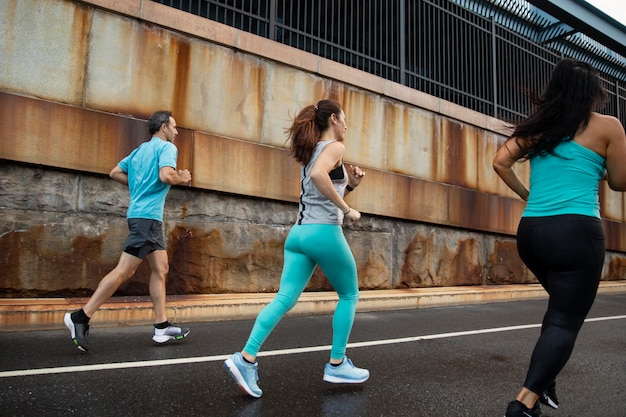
149, 171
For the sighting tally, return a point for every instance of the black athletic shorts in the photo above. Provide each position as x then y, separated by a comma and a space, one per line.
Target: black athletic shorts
146, 236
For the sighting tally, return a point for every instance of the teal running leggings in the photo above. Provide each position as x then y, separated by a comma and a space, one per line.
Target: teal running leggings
308, 245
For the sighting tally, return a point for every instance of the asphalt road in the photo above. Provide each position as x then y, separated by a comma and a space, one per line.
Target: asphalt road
439, 362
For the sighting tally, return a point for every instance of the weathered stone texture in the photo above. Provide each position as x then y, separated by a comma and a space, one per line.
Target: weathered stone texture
504, 265
62, 231
436, 256
53, 254
615, 267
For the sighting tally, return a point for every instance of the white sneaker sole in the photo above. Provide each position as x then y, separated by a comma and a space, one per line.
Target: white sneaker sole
167, 338
339, 380
67, 319
238, 377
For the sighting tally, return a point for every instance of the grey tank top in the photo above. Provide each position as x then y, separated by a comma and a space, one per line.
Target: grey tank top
314, 207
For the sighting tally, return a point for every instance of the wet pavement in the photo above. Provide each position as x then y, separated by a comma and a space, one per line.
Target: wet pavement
448, 361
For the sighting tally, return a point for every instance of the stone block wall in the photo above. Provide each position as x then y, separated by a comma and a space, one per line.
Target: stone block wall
61, 231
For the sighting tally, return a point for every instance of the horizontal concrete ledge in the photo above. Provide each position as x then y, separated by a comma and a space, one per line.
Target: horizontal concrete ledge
47, 313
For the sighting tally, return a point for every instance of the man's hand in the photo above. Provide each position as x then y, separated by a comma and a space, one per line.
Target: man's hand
185, 176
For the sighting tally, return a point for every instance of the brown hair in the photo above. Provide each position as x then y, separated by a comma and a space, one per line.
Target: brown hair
307, 128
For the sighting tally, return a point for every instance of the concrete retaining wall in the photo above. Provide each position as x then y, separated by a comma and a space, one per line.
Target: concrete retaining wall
79, 78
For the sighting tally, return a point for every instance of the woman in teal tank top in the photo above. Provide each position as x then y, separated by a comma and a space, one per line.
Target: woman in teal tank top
560, 237
315, 137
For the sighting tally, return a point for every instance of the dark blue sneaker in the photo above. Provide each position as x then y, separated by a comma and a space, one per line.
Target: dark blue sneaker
78, 332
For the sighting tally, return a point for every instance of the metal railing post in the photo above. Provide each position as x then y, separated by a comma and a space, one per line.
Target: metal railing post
272, 20
402, 43
617, 99
494, 66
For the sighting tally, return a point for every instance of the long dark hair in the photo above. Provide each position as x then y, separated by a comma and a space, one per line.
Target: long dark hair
563, 109
307, 128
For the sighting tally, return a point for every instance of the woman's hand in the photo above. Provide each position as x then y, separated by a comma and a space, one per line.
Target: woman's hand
355, 175
352, 215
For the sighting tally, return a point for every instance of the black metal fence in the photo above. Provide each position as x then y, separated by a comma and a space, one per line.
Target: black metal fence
434, 46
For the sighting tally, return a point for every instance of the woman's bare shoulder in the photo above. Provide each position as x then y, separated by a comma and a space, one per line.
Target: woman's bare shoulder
606, 121
606, 127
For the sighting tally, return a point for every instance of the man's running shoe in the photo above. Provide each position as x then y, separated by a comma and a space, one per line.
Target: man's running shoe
549, 397
517, 409
169, 333
78, 332
244, 373
346, 373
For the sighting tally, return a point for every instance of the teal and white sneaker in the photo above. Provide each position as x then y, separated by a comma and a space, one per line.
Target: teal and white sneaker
245, 374
171, 332
346, 373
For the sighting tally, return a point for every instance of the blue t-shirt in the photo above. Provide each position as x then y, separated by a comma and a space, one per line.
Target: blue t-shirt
565, 184
147, 192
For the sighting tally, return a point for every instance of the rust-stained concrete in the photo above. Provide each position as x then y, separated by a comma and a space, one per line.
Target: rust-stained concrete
131, 67
79, 81
241, 167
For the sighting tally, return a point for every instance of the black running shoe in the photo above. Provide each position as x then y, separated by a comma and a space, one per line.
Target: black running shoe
78, 332
517, 409
549, 397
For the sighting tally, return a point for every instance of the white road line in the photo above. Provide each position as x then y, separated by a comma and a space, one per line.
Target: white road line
164, 362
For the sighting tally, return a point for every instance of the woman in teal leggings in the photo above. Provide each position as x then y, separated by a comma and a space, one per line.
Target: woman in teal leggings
316, 137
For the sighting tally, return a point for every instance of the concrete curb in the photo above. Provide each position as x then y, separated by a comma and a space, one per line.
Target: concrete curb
47, 313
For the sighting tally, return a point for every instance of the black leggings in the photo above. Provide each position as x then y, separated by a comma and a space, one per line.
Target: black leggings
566, 254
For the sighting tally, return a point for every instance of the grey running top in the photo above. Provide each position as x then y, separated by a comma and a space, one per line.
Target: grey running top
314, 207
